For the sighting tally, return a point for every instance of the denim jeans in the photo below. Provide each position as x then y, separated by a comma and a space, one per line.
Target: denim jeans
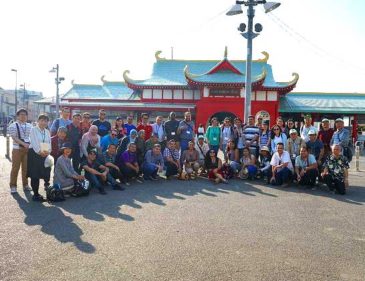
282, 176
149, 170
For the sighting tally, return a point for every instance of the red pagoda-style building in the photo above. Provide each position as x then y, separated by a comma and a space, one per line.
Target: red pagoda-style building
214, 88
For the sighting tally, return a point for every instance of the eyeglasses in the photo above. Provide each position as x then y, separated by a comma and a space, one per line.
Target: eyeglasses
276, 129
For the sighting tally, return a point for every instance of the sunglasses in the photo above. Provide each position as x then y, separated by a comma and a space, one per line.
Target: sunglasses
277, 129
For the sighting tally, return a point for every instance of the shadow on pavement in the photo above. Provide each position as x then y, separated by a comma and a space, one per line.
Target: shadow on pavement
95, 206
53, 222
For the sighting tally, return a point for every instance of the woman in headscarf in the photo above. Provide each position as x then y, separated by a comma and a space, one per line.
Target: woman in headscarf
90, 140
126, 140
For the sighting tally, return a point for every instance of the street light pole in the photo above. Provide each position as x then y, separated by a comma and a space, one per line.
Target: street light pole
250, 35
58, 81
16, 89
24, 95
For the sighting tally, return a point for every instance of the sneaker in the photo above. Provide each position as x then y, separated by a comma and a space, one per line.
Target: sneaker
225, 181
27, 188
118, 187
38, 198
13, 190
139, 180
127, 183
154, 178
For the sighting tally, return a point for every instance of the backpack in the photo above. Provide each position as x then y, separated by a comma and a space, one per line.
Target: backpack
347, 152
81, 188
55, 193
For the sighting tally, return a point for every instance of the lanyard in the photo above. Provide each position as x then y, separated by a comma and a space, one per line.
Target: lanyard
43, 134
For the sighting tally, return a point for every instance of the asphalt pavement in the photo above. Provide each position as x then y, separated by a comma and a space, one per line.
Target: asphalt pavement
185, 230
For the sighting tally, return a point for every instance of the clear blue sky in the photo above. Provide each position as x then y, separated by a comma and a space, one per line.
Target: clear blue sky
322, 40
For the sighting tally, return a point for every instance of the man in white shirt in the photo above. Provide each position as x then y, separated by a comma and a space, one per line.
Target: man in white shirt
19, 132
282, 167
202, 148
304, 130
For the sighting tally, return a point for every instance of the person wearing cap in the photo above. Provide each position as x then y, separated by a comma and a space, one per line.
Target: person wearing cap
290, 125
294, 144
265, 134
315, 147
281, 166
306, 168
103, 125
144, 125
335, 172
111, 138
213, 135
63, 121
304, 130
20, 133
251, 133
64, 173
97, 174
202, 147
172, 159
264, 163
341, 136
57, 142
325, 135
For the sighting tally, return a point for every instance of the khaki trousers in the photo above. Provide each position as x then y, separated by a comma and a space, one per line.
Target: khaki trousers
19, 158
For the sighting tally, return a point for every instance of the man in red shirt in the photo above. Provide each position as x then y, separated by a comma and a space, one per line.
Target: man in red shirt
145, 126
325, 135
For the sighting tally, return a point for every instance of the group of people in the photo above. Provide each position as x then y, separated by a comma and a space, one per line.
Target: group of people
113, 155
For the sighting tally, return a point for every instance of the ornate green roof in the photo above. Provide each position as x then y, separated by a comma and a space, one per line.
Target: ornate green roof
109, 90
323, 103
167, 72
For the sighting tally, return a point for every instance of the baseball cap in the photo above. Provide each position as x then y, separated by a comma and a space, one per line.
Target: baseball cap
200, 137
325, 120
312, 132
339, 120
293, 131
264, 148
307, 116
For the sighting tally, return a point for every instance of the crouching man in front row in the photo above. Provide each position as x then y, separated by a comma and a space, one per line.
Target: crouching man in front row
97, 174
306, 168
335, 172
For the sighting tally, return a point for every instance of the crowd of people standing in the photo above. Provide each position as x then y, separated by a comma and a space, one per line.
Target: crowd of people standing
115, 154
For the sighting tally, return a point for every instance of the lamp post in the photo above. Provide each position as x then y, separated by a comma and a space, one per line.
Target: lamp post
58, 81
16, 88
250, 35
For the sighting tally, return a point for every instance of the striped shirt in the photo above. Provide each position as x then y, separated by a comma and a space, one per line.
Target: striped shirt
250, 133
24, 130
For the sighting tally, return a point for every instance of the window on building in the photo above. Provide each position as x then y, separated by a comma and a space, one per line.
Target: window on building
260, 95
147, 93
157, 94
178, 94
167, 94
188, 94
272, 96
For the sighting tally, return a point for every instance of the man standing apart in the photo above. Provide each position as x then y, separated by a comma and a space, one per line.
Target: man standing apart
19, 132
103, 125
186, 131
63, 121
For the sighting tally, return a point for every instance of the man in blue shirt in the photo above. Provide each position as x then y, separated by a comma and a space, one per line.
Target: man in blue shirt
63, 121
109, 139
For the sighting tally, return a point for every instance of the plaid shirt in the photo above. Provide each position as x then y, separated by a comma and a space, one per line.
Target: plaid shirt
173, 153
